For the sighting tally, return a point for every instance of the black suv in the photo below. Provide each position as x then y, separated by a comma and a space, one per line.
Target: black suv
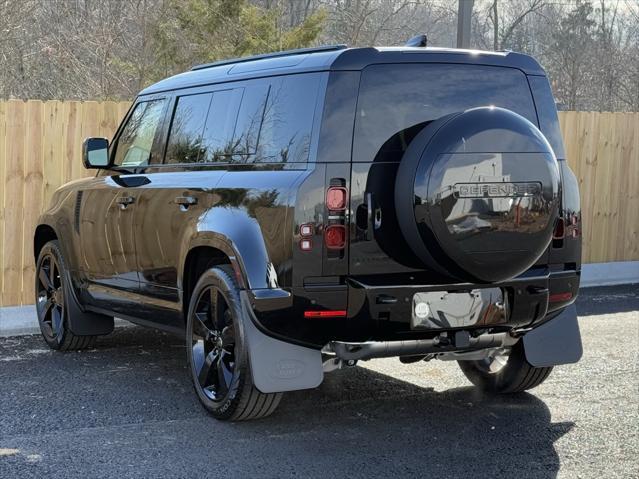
296, 212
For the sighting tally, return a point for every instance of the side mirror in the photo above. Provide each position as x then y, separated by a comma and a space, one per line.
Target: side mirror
95, 153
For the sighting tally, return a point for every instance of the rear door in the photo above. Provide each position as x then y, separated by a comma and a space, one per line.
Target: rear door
396, 101
106, 211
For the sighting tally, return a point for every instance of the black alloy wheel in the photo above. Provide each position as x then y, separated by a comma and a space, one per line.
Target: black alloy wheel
213, 345
50, 298
55, 303
217, 352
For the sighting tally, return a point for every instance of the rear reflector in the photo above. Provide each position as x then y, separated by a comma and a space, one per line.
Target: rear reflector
558, 297
336, 198
325, 314
335, 237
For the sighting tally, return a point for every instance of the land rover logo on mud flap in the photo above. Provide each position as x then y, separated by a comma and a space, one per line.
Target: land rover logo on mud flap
288, 369
496, 190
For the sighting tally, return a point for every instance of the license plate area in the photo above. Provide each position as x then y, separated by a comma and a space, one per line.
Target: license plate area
459, 309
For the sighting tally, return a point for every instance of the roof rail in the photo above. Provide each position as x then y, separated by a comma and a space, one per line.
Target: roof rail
285, 53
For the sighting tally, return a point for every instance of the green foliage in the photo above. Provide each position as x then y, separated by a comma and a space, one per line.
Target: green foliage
189, 32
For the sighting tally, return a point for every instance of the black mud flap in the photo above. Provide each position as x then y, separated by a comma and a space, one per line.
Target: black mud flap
278, 366
84, 323
556, 342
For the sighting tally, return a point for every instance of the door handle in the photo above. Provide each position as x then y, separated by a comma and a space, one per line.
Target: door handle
125, 201
185, 201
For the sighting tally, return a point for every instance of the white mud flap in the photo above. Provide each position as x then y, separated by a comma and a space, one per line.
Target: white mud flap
556, 342
278, 366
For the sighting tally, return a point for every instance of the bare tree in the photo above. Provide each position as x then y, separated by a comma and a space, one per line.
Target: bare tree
110, 49
506, 18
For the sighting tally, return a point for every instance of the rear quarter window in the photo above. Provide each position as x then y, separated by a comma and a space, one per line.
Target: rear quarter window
287, 124
275, 120
397, 101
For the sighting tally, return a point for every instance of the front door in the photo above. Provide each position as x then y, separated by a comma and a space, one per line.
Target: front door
106, 210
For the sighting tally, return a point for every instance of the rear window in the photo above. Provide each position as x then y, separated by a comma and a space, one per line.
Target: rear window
397, 101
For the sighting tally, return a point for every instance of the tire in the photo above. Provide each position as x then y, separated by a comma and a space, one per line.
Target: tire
217, 353
515, 374
55, 301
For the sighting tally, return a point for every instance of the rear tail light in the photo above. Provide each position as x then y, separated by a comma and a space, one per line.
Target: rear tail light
336, 198
335, 237
335, 226
560, 229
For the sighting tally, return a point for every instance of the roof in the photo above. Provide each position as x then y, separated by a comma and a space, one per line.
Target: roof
335, 58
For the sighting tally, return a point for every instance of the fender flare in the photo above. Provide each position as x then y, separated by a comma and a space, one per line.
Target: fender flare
239, 237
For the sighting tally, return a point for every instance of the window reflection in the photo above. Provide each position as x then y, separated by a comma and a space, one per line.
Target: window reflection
288, 120
261, 121
185, 138
136, 140
395, 101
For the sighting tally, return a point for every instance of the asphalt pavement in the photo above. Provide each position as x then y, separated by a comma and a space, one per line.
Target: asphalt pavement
126, 409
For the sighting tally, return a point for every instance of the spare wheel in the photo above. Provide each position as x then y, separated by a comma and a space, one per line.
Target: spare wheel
477, 194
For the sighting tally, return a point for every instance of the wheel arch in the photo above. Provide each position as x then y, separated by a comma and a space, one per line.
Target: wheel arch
226, 236
198, 259
43, 234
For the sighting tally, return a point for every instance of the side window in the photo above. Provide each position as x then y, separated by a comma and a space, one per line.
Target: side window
260, 121
285, 135
217, 141
134, 144
249, 119
185, 143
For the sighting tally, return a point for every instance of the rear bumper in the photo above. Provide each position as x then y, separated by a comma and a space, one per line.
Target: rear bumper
384, 312
531, 297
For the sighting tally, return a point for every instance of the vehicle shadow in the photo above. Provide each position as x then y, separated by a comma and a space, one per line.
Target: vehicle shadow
391, 427
131, 395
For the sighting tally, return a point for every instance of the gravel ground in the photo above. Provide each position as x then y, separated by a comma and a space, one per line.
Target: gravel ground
126, 409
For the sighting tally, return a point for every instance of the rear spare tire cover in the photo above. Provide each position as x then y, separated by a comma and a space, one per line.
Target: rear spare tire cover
477, 194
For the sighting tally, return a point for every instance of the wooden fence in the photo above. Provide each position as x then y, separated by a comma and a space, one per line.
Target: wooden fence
603, 151
41, 143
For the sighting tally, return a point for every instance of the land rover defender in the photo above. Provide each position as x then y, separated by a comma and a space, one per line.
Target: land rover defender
293, 213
